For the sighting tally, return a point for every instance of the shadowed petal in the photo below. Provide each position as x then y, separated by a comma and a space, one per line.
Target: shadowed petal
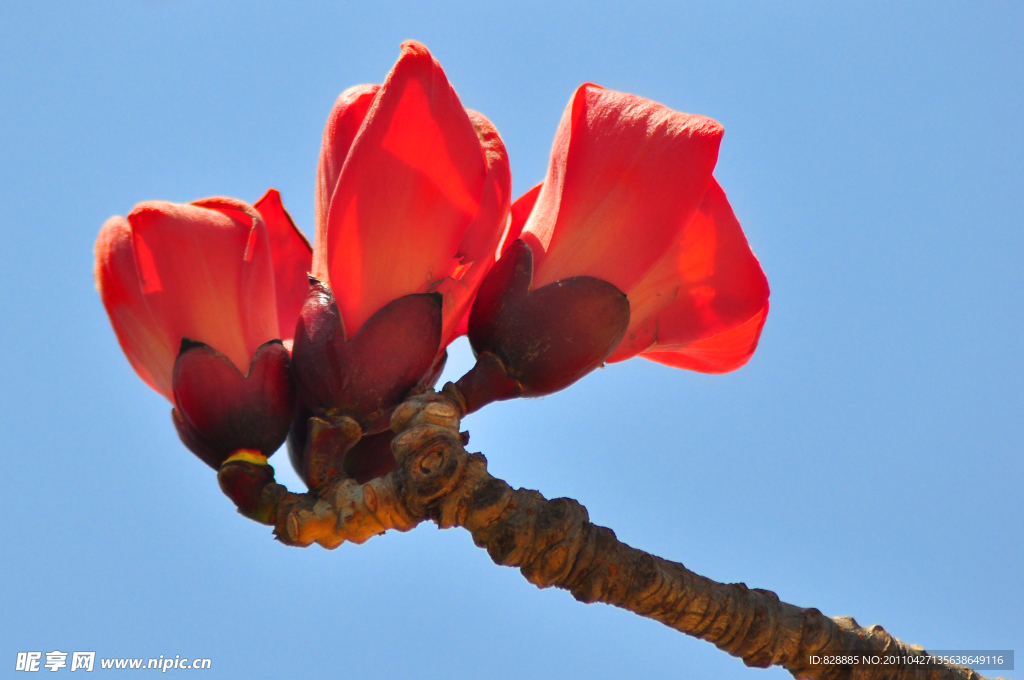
709, 285
149, 350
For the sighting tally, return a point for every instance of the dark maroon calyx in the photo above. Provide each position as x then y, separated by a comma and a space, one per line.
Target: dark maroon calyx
322, 450
366, 376
371, 457
488, 381
218, 410
540, 341
327, 441
297, 436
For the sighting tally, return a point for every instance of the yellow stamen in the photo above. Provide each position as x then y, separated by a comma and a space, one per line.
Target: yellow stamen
248, 455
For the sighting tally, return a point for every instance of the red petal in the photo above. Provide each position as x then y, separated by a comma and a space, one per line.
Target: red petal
706, 300
478, 249
342, 125
407, 193
293, 260
149, 350
257, 300
718, 354
626, 175
521, 210
206, 273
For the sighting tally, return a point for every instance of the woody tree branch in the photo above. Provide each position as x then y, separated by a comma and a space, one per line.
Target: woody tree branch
553, 543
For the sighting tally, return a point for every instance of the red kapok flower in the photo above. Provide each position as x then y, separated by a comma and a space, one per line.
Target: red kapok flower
413, 194
629, 247
192, 295
412, 200
629, 200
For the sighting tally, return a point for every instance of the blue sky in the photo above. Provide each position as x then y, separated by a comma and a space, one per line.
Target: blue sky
867, 461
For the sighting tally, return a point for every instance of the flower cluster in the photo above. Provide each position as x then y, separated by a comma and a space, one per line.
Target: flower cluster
629, 247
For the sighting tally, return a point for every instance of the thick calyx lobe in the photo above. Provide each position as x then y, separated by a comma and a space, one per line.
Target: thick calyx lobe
322, 449
370, 458
219, 411
366, 376
535, 342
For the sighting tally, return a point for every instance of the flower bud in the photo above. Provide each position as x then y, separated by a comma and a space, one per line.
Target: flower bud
202, 297
412, 195
628, 204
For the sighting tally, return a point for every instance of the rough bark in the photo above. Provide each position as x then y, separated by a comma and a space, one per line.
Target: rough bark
553, 543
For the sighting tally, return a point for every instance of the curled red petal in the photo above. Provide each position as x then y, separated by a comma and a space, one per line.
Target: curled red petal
626, 175
149, 349
707, 285
407, 193
293, 260
220, 410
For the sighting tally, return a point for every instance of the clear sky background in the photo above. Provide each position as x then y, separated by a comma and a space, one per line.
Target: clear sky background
867, 461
